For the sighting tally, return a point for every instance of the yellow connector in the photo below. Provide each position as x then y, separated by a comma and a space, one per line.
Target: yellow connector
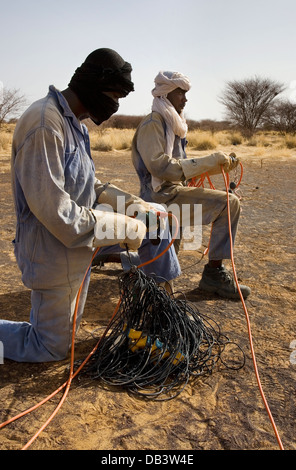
134, 334
138, 341
179, 358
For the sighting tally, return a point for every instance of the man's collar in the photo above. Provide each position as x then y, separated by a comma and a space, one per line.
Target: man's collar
67, 111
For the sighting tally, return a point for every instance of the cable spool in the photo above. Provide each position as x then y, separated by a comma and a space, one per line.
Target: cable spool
156, 343
97, 357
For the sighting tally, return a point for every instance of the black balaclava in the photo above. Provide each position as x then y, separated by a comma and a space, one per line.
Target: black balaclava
103, 70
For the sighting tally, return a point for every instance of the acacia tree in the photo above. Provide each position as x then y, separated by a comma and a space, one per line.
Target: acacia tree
11, 103
281, 116
248, 100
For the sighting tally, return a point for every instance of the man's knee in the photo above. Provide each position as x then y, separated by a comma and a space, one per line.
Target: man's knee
234, 203
49, 345
55, 350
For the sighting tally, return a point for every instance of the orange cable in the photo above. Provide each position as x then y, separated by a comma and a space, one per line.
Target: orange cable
67, 384
226, 182
73, 374
248, 319
241, 175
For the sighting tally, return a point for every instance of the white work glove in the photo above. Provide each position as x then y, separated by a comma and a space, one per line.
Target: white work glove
119, 200
131, 205
232, 163
112, 228
210, 164
147, 213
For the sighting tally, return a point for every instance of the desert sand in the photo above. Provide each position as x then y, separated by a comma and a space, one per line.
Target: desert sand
222, 411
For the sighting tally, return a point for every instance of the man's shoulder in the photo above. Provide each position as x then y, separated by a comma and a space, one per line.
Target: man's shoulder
153, 117
151, 126
43, 113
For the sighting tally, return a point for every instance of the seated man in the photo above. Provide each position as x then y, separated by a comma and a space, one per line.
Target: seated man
158, 155
56, 194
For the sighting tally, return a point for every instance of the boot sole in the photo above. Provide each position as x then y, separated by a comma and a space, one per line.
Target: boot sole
227, 295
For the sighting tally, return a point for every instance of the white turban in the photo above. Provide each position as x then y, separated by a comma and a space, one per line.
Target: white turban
165, 82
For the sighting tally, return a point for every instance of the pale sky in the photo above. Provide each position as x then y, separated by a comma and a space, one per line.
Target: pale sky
210, 41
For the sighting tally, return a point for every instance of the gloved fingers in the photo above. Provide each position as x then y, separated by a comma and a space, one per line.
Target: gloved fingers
157, 207
156, 218
231, 163
138, 210
147, 213
135, 233
234, 160
112, 228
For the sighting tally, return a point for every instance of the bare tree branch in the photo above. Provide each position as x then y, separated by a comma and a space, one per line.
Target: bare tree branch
11, 104
281, 117
248, 100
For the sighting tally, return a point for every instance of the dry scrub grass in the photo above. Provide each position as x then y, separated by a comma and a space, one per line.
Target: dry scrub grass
273, 143
6, 134
110, 139
221, 412
121, 139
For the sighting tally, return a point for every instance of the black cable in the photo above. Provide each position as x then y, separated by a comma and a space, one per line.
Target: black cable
156, 342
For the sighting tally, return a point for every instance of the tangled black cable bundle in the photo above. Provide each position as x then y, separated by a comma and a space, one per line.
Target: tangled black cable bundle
155, 342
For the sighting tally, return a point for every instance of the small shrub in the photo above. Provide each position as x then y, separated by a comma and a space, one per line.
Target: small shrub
235, 138
5, 139
100, 142
111, 139
290, 142
252, 142
201, 141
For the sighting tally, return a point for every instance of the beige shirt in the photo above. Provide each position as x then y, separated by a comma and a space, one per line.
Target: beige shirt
150, 159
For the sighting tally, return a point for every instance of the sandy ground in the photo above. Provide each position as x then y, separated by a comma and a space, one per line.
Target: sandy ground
223, 411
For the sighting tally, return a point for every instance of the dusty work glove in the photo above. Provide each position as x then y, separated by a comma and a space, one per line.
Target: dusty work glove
148, 214
112, 228
232, 163
131, 205
119, 200
210, 164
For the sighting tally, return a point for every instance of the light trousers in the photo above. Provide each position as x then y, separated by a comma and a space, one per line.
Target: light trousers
213, 204
54, 273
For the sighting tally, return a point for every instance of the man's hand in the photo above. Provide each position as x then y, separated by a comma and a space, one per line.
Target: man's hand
231, 163
135, 233
112, 228
147, 213
211, 164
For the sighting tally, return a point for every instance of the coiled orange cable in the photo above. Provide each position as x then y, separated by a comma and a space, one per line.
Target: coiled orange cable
73, 374
248, 319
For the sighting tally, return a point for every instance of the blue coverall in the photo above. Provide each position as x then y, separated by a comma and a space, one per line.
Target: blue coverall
54, 187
